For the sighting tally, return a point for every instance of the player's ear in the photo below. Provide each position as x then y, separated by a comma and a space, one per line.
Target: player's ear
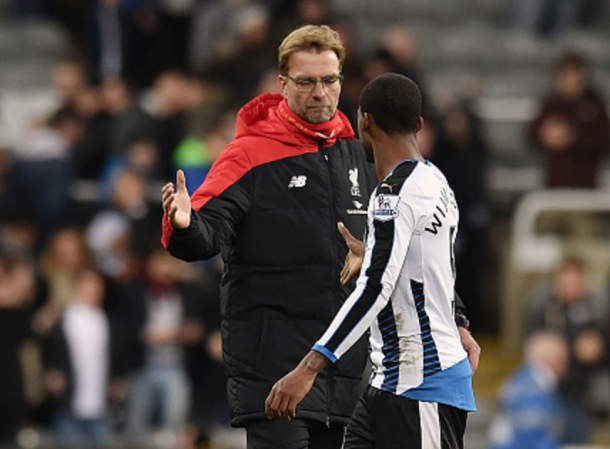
420, 124
367, 120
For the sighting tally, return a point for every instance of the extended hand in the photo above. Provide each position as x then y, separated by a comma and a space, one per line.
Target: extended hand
177, 205
355, 255
471, 346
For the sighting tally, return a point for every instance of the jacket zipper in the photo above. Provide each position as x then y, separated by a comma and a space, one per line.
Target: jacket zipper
329, 173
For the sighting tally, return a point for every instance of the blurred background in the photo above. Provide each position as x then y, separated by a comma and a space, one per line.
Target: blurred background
102, 100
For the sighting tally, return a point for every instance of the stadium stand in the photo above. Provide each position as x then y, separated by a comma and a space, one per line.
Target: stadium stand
458, 42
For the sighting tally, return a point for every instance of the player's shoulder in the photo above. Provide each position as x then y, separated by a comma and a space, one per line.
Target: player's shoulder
393, 183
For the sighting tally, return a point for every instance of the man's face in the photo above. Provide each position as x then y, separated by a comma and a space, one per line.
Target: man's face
319, 105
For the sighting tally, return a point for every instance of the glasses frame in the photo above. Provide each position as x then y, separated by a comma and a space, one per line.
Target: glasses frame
314, 81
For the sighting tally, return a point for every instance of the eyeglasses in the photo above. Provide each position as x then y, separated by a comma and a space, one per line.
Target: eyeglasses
307, 84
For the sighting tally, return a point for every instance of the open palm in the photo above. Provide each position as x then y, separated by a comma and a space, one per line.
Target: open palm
177, 203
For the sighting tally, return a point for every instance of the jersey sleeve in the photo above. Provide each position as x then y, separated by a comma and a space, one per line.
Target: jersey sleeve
393, 220
216, 208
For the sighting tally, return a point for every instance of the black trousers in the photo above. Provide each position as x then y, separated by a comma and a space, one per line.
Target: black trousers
383, 420
294, 434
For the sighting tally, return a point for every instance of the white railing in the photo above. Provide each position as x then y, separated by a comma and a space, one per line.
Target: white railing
531, 253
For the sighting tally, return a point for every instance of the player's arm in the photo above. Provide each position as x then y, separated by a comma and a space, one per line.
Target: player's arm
468, 342
351, 269
290, 390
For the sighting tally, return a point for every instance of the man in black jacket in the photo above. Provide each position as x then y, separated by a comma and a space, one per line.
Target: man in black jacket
270, 205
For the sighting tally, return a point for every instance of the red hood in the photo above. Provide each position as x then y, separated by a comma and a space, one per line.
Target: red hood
268, 115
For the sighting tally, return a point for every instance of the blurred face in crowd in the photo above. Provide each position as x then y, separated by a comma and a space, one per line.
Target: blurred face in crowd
89, 288
88, 102
570, 285
68, 79
115, 95
162, 268
457, 127
67, 248
320, 104
313, 11
572, 81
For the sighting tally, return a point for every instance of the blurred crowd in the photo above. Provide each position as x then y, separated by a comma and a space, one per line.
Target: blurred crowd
102, 333
559, 393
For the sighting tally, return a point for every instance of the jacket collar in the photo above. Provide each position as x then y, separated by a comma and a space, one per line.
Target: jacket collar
269, 115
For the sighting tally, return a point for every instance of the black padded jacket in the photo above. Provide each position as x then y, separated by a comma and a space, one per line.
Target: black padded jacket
270, 205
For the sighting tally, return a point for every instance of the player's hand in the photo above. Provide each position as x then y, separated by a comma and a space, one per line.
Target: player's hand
471, 346
355, 255
288, 392
177, 204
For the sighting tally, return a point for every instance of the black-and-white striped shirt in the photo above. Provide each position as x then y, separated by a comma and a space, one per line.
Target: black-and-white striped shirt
405, 291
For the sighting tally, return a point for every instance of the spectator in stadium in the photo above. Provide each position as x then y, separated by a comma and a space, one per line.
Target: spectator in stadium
252, 54
570, 308
17, 297
461, 153
167, 31
529, 407
196, 153
79, 365
571, 129
91, 151
69, 79
269, 205
60, 260
156, 115
215, 30
119, 235
401, 45
115, 41
313, 12
41, 172
157, 314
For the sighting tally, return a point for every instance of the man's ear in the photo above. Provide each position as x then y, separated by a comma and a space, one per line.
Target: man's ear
281, 82
420, 124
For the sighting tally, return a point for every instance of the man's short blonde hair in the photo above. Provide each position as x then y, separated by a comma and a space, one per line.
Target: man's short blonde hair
313, 38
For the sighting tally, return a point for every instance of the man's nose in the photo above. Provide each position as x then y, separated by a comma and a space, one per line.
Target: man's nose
319, 90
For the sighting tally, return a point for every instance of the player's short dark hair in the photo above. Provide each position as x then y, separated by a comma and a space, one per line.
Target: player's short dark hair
394, 101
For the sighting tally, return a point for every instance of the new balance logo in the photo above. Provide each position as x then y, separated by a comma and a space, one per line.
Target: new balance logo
297, 181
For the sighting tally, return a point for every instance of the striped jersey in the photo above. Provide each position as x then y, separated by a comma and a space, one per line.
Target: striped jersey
405, 292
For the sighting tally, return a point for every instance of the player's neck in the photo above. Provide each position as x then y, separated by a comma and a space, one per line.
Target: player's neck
391, 151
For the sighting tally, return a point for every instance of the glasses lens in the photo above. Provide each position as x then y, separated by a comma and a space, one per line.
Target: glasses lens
305, 84
329, 83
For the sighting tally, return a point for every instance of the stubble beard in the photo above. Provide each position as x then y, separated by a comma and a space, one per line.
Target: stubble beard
320, 116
